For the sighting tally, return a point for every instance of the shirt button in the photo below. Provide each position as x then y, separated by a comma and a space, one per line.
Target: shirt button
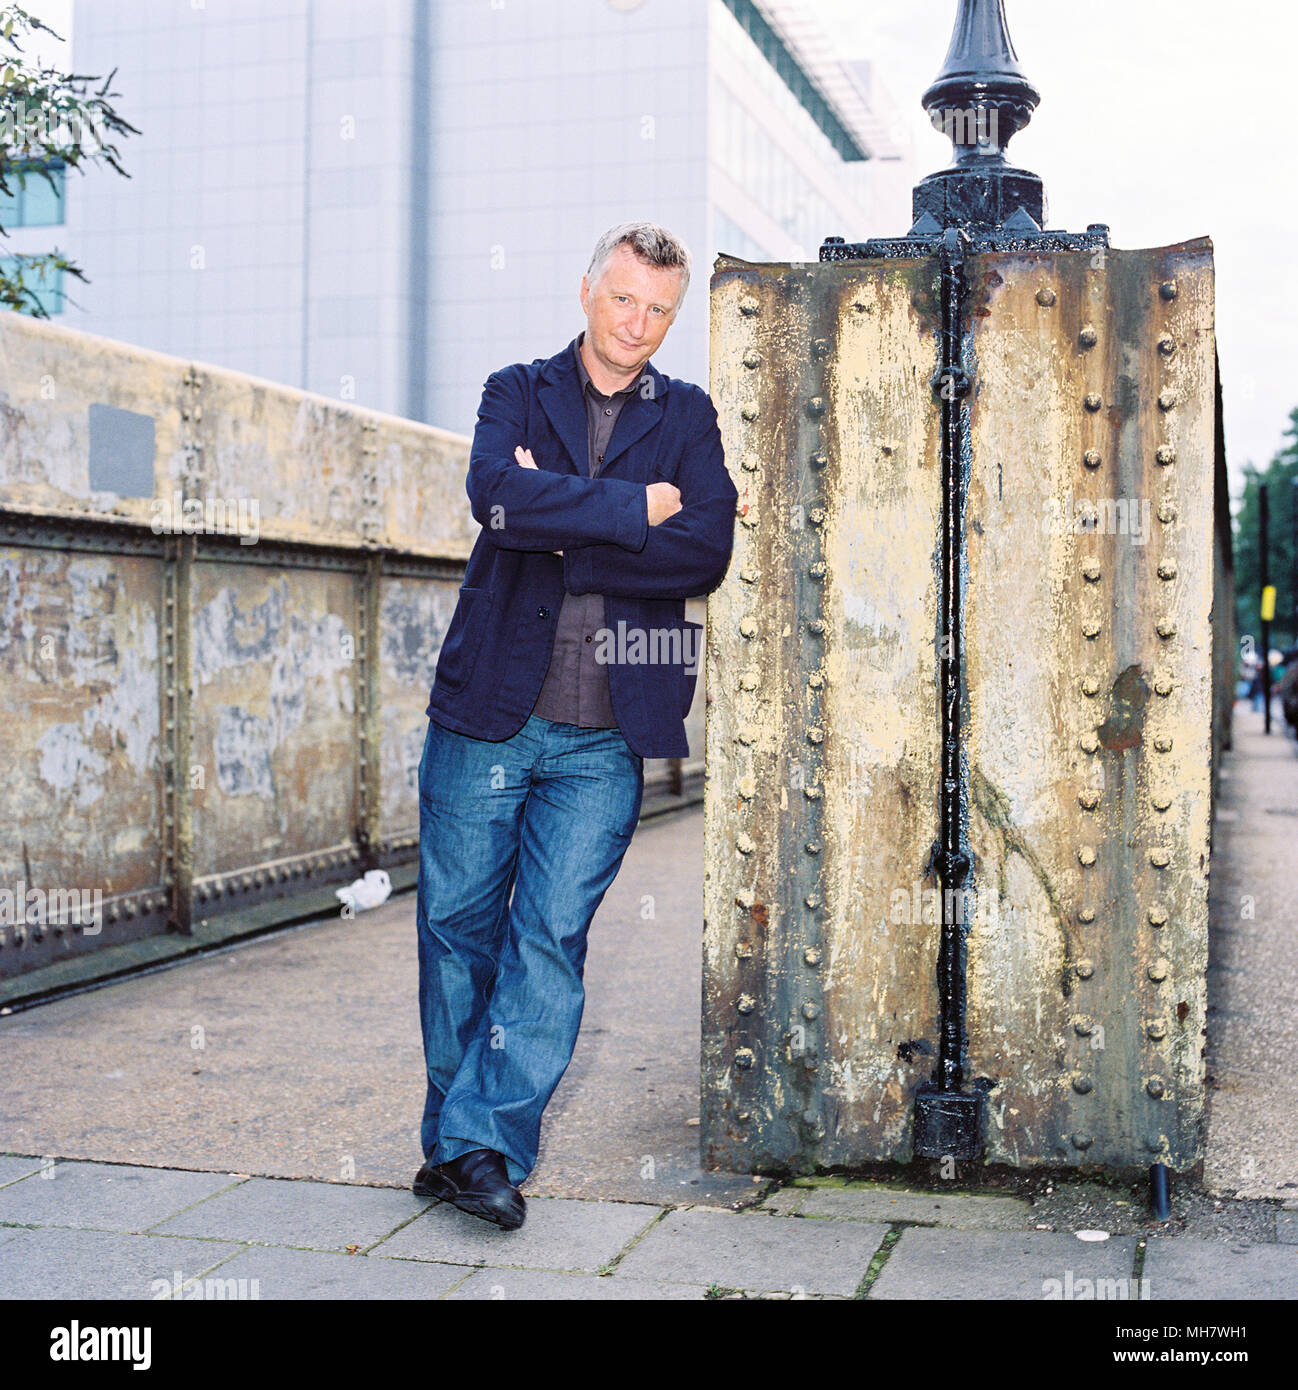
608, 412
588, 638
542, 612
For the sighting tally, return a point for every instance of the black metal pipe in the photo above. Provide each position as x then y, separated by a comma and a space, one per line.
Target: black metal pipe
1160, 1196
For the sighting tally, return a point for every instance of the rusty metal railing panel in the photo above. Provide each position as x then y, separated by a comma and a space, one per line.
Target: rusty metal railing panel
1089, 678
823, 745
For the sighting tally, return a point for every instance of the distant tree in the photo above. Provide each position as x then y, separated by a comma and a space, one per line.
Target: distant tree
1279, 476
50, 121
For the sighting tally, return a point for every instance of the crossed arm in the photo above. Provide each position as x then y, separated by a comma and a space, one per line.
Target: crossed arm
615, 537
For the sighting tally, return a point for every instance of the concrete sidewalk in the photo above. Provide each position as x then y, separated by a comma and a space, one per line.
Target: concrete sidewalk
90, 1231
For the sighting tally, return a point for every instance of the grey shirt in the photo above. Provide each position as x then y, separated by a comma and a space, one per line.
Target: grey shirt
576, 685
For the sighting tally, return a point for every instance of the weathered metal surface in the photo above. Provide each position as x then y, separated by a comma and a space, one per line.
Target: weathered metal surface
1089, 665
1087, 700
822, 736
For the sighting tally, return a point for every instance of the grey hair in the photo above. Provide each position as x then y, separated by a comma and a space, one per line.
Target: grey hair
652, 244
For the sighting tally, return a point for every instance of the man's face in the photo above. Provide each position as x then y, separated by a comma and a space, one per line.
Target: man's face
629, 310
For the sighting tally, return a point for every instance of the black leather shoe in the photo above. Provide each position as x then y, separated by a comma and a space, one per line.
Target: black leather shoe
478, 1183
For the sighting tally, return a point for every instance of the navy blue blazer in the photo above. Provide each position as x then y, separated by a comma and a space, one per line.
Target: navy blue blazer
497, 648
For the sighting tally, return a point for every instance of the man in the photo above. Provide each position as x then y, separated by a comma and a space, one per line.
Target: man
604, 499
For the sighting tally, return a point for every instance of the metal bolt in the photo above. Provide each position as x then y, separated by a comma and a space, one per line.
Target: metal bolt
1092, 458
1167, 345
1085, 969
820, 460
1088, 800
1166, 512
1086, 916
812, 900
744, 1059
816, 516
1159, 971
749, 463
816, 625
748, 576
1083, 1027
752, 359
1163, 743
1091, 571
1165, 454
813, 847
749, 681
1094, 402
1046, 297
744, 950
810, 1010
815, 735
1088, 337
1155, 1087
748, 306
812, 793
1167, 570
820, 348
746, 734
1168, 289
747, 628
1161, 801
1159, 857
818, 570
747, 787
1157, 915
1167, 400
1155, 1143
745, 844
1081, 1140
1086, 856
745, 898
1090, 744
816, 406
748, 413
1162, 685
745, 1004
815, 680
1157, 1030
1090, 628
1166, 628
811, 955
1083, 1085
1090, 686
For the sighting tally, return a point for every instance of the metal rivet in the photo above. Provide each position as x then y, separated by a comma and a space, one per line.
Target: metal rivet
743, 1116
1162, 685
746, 734
744, 1059
812, 900
748, 576
813, 847
1092, 458
1158, 972
1166, 512
1046, 297
747, 787
752, 358
1088, 337
748, 413
1167, 345
749, 463
1168, 289
1159, 857
820, 348
748, 306
1157, 915
1165, 454
1090, 744
811, 955
1157, 1030
749, 681
815, 735
1081, 1140
1094, 402
745, 1004
809, 1063
1083, 1085
816, 516
1086, 916
815, 680
816, 625
810, 1010
1166, 628
747, 628
1167, 570
744, 950
811, 793
1083, 1027
1090, 686
1161, 801
1086, 856
1091, 571
1090, 628
1155, 1087
1088, 800
1162, 743
1085, 969
1167, 400
745, 844
744, 898
820, 460
819, 570
816, 406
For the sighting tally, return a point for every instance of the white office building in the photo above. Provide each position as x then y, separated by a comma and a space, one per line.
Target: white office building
386, 201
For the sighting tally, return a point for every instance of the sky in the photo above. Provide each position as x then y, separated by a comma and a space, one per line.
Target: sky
1167, 119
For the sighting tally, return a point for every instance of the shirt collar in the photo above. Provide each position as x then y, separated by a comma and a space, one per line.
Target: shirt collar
588, 385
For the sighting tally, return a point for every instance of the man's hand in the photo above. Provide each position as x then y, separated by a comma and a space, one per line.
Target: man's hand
664, 500
523, 457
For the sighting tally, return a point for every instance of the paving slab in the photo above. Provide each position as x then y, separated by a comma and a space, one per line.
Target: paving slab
60, 1262
929, 1263
104, 1196
271, 1272
785, 1201
1286, 1227
543, 1285
755, 1252
1181, 1267
559, 1233
13, 1167
307, 1215
928, 1208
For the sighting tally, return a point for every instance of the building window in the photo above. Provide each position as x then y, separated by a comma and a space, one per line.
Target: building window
43, 282
35, 197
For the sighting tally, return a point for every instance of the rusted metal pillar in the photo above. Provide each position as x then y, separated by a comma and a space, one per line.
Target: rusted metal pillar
964, 654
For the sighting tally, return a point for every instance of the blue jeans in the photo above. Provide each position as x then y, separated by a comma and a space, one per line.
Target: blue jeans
548, 813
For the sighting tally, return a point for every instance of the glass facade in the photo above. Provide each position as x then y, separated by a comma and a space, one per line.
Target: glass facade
33, 202
43, 283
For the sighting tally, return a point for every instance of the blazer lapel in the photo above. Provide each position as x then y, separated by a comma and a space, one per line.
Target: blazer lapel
639, 415
560, 398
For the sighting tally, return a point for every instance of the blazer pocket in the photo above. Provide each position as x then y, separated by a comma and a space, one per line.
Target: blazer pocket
463, 638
